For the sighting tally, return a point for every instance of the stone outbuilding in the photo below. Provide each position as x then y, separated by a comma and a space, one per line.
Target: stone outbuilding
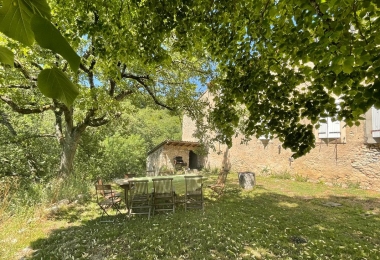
171, 155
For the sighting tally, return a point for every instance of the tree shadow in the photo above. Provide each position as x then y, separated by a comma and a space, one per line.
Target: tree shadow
246, 225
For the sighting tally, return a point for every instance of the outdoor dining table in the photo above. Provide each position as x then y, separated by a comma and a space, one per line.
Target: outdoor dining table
124, 183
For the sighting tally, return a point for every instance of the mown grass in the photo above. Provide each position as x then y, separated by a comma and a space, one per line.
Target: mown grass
279, 219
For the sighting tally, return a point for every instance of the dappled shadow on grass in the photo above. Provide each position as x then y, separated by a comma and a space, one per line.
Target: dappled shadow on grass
239, 225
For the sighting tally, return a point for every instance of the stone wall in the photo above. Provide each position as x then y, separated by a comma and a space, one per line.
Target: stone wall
349, 160
161, 160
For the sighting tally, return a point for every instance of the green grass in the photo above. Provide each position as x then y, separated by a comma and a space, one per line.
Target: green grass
278, 219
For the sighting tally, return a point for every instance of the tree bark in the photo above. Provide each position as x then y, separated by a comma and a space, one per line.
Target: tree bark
69, 148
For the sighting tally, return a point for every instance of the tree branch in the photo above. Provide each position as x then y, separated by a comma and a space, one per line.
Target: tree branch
89, 72
21, 86
5, 121
36, 136
139, 79
123, 94
131, 76
357, 23
96, 122
86, 121
26, 74
68, 113
314, 4
37, 65
58, 124
25, 111
111, 92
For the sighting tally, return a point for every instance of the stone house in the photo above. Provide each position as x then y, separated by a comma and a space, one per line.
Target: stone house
171, 155
342, 155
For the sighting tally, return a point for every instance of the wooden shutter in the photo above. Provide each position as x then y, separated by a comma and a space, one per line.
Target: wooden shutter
334, 128
263, 137
375, 122
322, 132
330, 129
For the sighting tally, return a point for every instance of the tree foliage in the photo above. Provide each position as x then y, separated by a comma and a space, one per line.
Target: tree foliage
282, 63
114, 63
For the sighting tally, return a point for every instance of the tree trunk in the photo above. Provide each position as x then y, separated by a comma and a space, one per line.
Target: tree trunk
69, 148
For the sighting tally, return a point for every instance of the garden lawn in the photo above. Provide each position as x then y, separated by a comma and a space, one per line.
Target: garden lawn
278, 219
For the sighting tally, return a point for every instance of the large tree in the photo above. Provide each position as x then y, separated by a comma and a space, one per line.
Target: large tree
282, 63
116, 63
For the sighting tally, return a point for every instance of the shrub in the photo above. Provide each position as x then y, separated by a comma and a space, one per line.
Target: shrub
285, 175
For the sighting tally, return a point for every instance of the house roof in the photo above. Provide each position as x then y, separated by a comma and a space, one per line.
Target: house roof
175, 143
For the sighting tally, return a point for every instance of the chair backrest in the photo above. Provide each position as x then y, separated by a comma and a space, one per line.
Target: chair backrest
139, 187
194, 183
101, 190
99, 182
163, 185
129, 175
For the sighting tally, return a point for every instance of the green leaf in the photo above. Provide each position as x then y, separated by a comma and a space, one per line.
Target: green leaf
337, 91
336, 68
53, 83
348, 64
15, 17
6, 56
49, 37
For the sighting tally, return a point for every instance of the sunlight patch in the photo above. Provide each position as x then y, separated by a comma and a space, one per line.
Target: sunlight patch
288, 204
257, 253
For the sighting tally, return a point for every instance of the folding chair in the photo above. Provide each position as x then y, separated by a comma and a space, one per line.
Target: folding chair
107, 202
107, 193
194, 192
140, 202
163, 195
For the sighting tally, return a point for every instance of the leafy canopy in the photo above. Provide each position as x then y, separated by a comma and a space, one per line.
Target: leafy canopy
283, 64
29, 20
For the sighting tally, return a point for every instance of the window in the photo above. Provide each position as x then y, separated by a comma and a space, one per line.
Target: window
375, 122
330, 129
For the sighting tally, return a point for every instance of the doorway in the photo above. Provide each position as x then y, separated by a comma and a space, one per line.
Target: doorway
193, 160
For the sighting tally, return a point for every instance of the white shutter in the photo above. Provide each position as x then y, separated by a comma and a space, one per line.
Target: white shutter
330, 129
375, 122
333, 128
322, 132
263, 137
